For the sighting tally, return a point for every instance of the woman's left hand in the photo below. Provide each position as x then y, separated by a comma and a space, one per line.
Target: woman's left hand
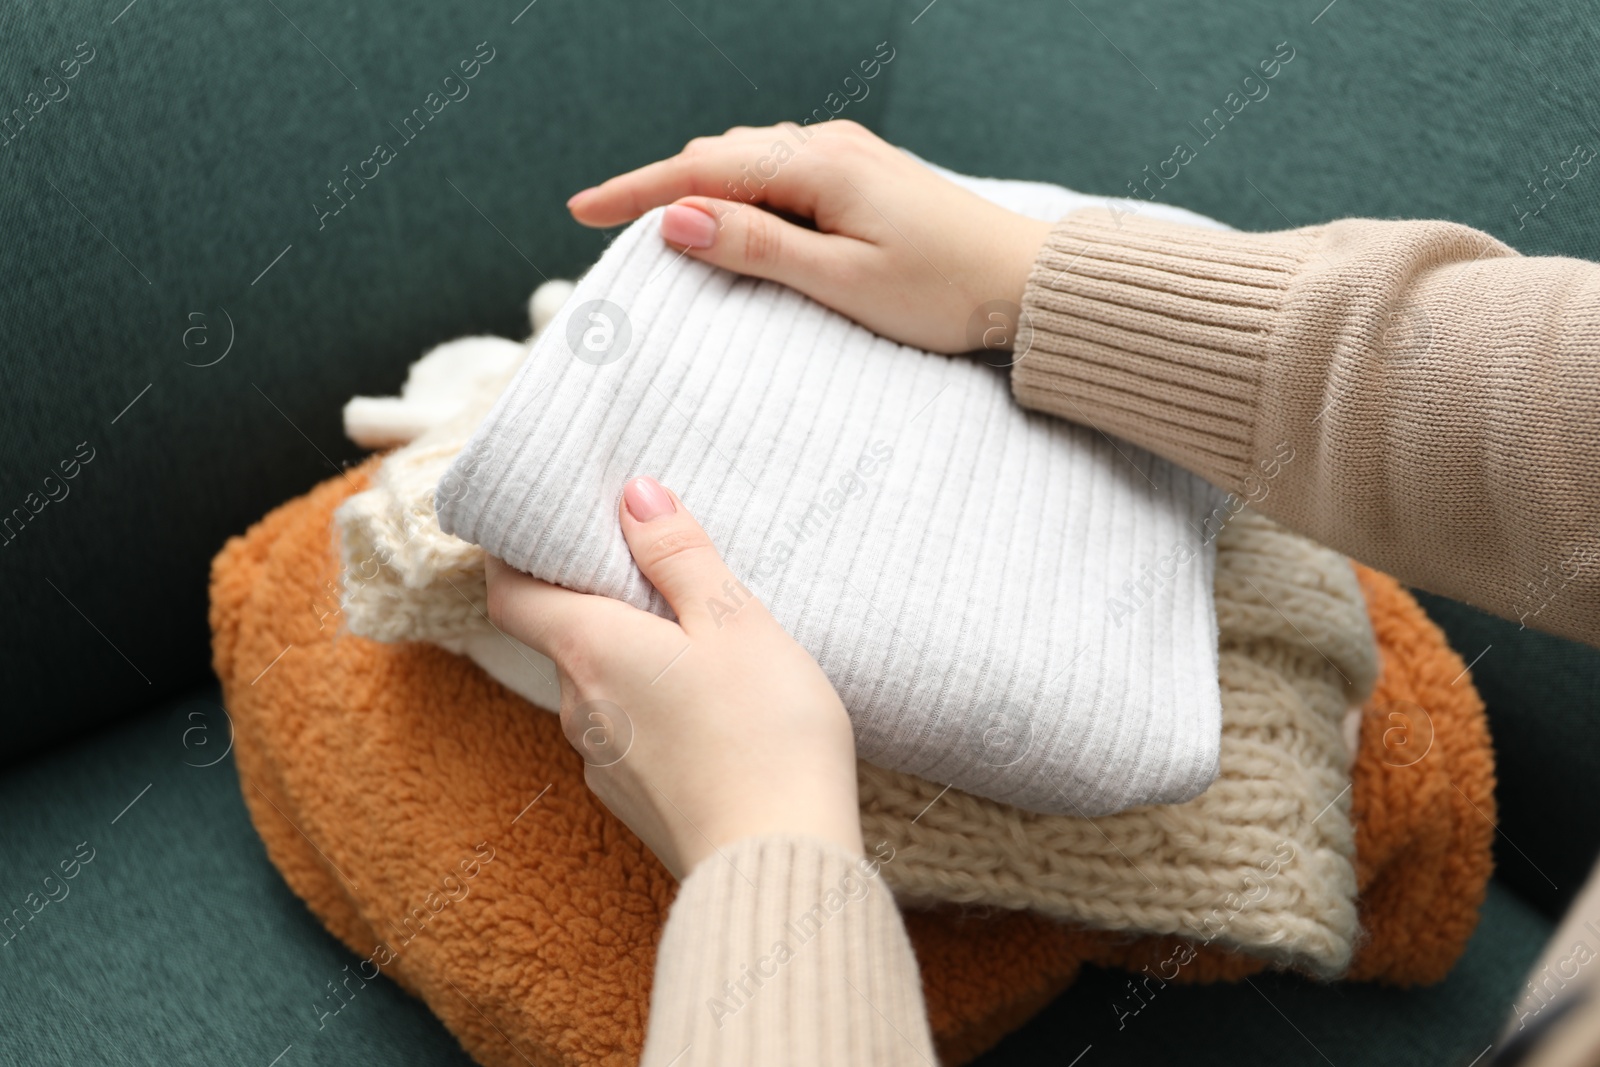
699, 732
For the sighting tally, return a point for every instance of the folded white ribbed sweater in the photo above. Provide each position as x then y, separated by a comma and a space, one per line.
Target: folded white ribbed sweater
1007, 603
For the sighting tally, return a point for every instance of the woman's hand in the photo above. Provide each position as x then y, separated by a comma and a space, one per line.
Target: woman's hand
896, 247
695, 733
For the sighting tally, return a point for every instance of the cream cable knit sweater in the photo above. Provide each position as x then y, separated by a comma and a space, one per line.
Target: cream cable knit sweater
1442, 397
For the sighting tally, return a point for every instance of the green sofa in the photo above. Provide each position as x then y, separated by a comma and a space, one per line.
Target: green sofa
189, 300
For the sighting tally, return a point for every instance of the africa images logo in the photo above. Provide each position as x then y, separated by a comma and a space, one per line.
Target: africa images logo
598, 332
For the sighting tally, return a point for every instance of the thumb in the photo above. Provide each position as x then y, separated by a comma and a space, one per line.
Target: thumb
677, 557
751, 240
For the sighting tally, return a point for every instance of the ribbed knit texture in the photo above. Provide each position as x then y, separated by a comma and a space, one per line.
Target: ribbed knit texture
1439, 393
1295, 651
1195, 304
1006, 603
806, 938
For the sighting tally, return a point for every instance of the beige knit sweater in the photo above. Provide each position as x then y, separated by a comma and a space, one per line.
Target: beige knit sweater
1414, 394
1439, 394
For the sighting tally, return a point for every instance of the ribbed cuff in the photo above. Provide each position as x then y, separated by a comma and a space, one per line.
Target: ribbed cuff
786, 950
1157, 332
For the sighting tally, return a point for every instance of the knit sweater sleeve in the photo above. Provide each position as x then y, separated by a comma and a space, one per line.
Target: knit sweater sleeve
1414, 394
786, 950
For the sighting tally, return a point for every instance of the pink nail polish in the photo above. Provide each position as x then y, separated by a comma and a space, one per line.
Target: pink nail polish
646, 499
688, 227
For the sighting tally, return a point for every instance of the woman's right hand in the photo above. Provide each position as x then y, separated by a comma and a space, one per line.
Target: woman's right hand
896, 247
697, 732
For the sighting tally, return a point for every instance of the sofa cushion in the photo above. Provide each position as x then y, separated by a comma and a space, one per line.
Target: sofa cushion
178, 198
178, 943
1541, 693
1371, 111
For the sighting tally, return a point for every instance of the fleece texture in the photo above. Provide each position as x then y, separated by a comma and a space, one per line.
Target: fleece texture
962, 570
439, 826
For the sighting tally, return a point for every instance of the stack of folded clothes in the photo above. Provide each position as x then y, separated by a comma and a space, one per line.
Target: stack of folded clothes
407, 786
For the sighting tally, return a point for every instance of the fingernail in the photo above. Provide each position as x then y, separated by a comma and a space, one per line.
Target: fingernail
579, 195
688, 227
646, 499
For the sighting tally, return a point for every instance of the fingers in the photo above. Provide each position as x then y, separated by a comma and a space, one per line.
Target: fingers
707, 166
677, 557
545, 617
756, 242
751, 166
715, 192
672, 552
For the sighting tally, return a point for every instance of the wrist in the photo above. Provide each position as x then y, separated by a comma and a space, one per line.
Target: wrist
995, 326
1028, 243
830, 813
849, 847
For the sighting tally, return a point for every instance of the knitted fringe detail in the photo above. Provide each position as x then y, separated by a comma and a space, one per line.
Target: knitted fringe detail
405, 579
